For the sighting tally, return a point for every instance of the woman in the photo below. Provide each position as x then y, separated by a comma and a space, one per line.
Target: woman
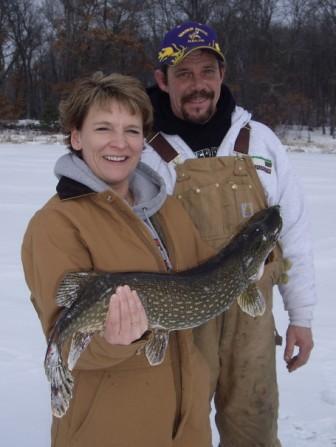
105, 217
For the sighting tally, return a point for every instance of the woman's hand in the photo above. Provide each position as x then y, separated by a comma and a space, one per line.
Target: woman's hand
126, 320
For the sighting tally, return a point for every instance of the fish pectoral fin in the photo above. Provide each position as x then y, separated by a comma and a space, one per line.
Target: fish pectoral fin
70, 287
79, 343
252, 302
156, 346
286, 265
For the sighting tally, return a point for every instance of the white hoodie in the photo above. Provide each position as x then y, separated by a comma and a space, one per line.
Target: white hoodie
281, 187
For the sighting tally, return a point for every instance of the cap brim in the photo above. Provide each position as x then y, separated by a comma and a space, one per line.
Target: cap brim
219, 54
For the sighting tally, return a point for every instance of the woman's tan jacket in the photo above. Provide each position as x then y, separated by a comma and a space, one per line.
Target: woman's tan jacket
119, 399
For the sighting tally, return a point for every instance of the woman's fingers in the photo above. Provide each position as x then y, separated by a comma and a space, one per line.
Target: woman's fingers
139, 323
113, 319
126, 318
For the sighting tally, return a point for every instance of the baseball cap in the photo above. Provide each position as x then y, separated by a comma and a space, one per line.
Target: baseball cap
185, 38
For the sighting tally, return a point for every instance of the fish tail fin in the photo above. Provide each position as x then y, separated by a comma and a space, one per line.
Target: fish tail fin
60, 378
252, 302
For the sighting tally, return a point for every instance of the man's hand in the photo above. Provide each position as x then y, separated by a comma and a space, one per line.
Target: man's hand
126, 319
301, 337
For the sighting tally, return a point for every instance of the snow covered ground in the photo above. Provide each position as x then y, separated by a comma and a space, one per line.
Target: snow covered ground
308, 396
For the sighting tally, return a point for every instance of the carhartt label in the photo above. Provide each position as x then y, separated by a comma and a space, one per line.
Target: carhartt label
246, 209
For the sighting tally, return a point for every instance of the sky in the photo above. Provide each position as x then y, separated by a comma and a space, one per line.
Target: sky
307, 396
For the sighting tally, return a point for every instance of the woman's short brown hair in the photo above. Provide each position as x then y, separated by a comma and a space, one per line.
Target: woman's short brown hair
102, 89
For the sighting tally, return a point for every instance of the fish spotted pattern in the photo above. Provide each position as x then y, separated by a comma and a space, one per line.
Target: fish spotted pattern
172, 301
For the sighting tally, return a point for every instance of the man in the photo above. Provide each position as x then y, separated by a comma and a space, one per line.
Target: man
224, 166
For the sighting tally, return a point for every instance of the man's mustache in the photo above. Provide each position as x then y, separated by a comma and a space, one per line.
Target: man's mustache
198, 94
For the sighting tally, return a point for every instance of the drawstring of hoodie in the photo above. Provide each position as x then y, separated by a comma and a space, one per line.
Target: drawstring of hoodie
158, 242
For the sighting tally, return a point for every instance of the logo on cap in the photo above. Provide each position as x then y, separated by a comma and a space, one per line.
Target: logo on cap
184, 39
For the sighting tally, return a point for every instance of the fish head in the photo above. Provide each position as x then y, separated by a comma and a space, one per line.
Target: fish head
258, 238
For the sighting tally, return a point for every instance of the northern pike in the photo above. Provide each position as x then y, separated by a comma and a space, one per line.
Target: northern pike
172, 301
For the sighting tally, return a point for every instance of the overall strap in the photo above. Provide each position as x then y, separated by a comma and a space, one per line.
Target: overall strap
168, 153
243, 140
162, 147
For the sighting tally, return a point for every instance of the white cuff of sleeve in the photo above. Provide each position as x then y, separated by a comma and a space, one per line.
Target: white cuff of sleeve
302, 316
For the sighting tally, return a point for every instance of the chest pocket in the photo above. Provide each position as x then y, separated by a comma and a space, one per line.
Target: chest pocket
219, 194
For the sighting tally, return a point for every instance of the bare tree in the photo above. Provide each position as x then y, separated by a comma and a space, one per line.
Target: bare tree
281, 53
24, 37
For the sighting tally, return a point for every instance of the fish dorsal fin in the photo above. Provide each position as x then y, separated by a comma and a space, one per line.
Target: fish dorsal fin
156, 347
252, 302
70, 287
79, 343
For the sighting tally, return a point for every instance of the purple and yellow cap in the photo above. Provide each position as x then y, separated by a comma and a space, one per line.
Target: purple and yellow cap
185, 38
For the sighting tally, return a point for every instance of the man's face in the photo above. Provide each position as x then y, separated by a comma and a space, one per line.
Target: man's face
193, 86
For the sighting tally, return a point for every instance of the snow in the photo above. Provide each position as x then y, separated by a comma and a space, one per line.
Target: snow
307, 396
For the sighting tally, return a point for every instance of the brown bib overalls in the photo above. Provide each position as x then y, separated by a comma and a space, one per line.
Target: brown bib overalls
220, 193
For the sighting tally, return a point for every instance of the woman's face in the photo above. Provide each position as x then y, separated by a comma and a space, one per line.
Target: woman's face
111, 140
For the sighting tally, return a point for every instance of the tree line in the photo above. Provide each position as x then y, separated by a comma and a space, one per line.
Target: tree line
281, 53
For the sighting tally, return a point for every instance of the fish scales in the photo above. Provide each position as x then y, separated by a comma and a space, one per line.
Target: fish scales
172, 301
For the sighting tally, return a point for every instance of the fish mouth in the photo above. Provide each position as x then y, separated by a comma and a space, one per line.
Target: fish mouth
276, 222
276, 232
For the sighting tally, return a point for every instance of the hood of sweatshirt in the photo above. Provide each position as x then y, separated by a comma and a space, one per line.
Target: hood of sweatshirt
147, 186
